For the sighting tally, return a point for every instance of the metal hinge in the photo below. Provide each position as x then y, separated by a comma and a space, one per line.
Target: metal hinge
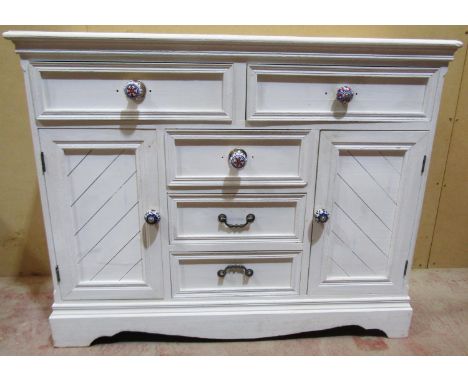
43, 162
406, 268
423, 164
57, 272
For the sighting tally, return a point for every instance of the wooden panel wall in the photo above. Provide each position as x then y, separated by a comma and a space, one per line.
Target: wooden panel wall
442, 239
450, 239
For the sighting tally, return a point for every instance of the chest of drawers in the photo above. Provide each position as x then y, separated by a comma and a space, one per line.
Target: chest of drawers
227, 186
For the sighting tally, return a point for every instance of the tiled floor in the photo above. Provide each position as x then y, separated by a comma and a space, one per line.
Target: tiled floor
439, 327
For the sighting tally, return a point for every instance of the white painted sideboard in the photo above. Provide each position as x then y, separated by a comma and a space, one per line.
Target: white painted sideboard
220, 187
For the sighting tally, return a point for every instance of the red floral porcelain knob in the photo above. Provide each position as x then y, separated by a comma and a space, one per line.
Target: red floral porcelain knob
135, 90
238, 158
344, 95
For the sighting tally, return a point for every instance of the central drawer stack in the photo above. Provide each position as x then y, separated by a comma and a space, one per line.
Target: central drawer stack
237, 211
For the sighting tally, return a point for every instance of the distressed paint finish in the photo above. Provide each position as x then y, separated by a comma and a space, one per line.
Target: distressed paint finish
305, 296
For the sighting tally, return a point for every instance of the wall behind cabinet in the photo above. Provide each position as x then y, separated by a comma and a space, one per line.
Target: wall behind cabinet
442, 239
450, 239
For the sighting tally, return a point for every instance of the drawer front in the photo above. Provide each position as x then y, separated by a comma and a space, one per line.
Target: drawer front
204, 274
309, 93
95, 91
273, 158
276, 217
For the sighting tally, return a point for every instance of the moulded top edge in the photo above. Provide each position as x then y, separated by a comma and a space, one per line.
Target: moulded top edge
230, 42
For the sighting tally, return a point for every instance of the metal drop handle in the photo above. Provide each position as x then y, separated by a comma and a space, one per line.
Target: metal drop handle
344, 94
240, 268
135, 90
152, 217
222, 218
321, 215
237, 158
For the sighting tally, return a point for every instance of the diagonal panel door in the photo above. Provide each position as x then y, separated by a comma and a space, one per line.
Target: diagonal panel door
369, 182
103, 185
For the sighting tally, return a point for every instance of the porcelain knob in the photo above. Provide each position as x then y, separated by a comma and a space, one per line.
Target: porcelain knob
344, 94
321, 215
135, 90
152, 217
238, 158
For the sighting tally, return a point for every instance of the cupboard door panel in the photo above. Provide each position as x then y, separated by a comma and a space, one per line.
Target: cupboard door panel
369, 182
98, 190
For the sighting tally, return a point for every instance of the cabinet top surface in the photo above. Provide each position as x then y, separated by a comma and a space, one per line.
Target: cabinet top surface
144, 46
31, 36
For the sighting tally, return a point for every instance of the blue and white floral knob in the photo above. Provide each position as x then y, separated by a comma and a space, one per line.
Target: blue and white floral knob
344, 95
321, 215
135, 90
152, 217
237, 158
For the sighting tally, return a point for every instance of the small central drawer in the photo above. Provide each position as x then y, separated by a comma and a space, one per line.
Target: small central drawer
202, 274
245, 217
269, 158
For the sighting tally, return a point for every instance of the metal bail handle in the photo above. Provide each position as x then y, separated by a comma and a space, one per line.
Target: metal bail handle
248, 272
250, 218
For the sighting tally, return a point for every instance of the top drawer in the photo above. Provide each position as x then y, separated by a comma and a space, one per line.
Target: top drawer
95, 91
308, 93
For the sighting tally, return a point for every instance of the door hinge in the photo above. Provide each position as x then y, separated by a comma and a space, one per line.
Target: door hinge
406, 268
57, 272
43, 162
423, 164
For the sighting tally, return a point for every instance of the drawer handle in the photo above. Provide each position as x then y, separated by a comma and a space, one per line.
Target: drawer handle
321, 215
239, 268
152, 217
237, 158
248, 219
344, 94
135, 90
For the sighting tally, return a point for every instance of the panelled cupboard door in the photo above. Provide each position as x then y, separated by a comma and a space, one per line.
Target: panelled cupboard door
369, 182
99, 186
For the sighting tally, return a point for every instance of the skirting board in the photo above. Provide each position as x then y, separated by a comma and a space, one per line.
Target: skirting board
80, 327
